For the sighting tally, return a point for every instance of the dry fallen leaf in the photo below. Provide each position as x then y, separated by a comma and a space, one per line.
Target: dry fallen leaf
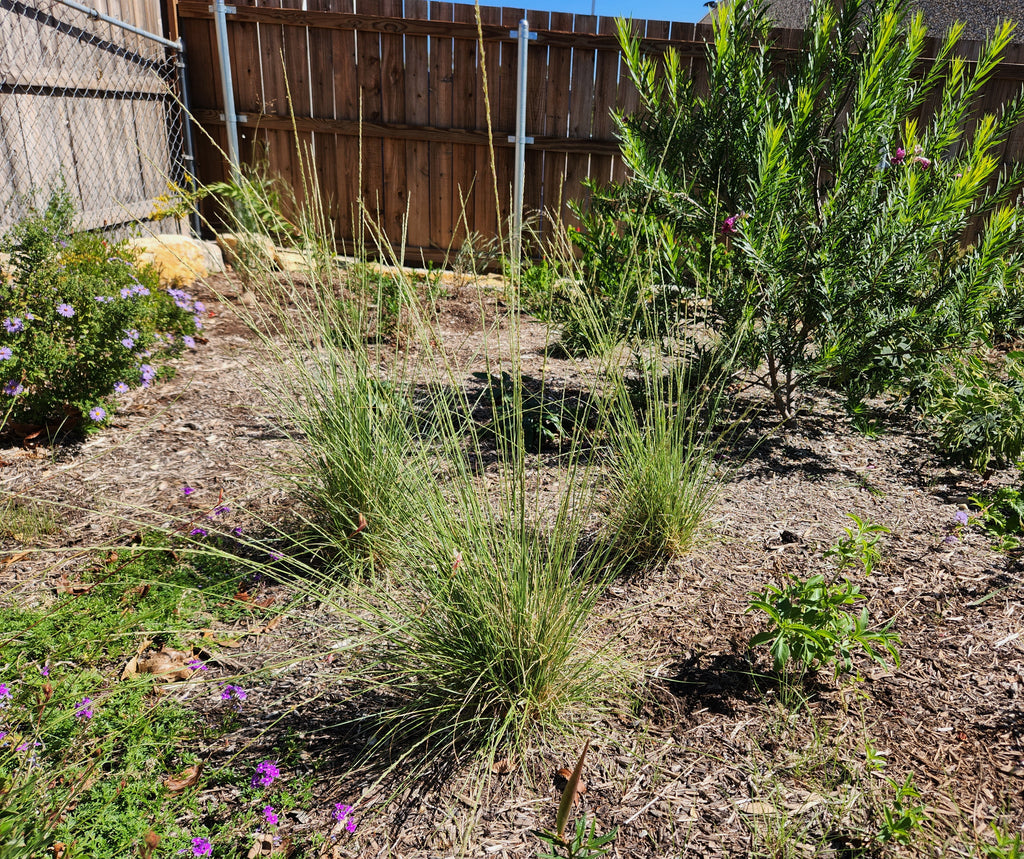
167, 663
502, 767
7, 560
66, 586
562, 778
185, 780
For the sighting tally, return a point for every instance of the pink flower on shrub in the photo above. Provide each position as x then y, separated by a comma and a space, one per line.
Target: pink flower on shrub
924, 162
901, 153
729, 225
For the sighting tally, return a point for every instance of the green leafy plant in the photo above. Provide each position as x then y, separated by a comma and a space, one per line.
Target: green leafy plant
902, 819
808, 626
584, 843
1007, 845
1001, 515
82, 321
860, 545
817, 217
976, 413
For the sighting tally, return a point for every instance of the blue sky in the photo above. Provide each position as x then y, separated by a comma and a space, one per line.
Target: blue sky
664, 10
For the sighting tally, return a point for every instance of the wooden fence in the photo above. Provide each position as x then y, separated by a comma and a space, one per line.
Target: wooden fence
390, 101
89, 106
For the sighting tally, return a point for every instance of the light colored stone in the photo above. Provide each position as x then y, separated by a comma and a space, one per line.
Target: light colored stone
6, 269
249, 249
292, 261
180, 260
213, 257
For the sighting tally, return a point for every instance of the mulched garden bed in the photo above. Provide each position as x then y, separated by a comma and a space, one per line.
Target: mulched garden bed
714, 757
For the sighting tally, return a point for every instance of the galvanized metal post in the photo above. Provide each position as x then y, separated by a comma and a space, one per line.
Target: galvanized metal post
520, 139
190, 148
220, 12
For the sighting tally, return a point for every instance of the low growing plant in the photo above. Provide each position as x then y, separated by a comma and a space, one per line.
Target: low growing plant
584, 843
1001, 515
976, 412
902, 819
860, 545
83, 322
809, 626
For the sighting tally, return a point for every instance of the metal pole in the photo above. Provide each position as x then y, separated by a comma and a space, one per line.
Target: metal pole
190, 151
95, 13
220, 12
520, 139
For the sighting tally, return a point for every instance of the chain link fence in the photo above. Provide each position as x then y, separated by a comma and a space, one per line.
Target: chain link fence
90, 107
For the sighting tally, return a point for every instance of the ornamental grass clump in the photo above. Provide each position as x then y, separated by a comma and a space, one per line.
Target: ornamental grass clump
82, 322
819, 219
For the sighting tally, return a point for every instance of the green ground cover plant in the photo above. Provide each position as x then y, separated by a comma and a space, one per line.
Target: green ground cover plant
83, 322
816, 219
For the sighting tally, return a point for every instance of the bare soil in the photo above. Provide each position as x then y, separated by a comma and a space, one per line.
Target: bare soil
714, 757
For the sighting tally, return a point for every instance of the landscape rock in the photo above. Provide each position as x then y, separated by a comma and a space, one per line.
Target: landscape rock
259, 249
180, 260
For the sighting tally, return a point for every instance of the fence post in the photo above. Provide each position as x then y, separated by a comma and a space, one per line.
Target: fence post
220, 12
190, 148
520, 139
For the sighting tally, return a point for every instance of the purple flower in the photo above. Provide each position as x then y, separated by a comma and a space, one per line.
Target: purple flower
97, 413
13, 388
201, 847
950, 540
231, 691
197, 532
5, 695
924, 162
270, 814
65, 310
6, 353
961, 517
237, 530
199, 307
196, 664
188, 490
275, 556
188, 341
125, 292
139, 289
220, 510
44, 670
341, 814
14, 325
121, 388
729, 225
901, 153
148, 374
266, 772
82, 709
127, 342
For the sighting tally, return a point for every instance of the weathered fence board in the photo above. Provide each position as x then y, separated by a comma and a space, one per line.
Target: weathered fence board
394, 110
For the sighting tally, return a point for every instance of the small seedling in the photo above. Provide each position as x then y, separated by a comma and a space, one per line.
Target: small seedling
585, 843
860, 545
1006, 847
809, 626
902, 818
1002, 517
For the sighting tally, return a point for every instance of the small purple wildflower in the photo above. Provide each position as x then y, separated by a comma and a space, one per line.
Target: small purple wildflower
82, 709
220, 510
270, 815
6, 353
950, 540
97, 413
188, 341
237, 530
5, 695
44, 670
121, 388
961, 517
30, 316
188, 490
125, 292
127, 342
199, 323
341, 814
729, 225
266, 772
201, 847
231, 691
275, 556
65, 310
13, 325
148, 374
13, 388
199, 307
197, 532
196, 664
139, 289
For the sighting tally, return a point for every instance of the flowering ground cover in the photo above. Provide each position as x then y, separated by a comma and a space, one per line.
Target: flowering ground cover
245, 738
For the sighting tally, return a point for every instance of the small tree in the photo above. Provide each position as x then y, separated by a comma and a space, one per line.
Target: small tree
824, 222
